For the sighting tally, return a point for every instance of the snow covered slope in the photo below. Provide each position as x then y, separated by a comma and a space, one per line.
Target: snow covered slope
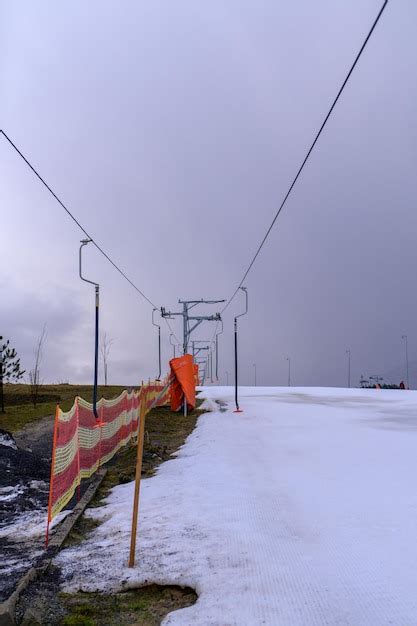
302, 510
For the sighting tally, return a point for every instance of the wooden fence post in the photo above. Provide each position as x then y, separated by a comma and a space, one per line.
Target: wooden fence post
139, 456
51, 480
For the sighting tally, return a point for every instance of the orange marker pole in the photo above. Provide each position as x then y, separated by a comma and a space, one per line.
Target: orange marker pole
139, 458
51, 480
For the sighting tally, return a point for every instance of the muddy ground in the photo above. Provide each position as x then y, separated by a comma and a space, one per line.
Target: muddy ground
165, 432
24, 485
44, 603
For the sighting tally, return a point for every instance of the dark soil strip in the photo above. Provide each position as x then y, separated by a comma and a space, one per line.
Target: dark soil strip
164, 435
24, 479
24, 490
145, 606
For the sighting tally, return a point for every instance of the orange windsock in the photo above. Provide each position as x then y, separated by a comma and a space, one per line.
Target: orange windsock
183, 382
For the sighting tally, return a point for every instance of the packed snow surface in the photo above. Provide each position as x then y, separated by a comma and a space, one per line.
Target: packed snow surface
302, 510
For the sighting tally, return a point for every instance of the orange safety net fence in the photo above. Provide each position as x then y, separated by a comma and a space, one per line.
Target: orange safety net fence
82, 443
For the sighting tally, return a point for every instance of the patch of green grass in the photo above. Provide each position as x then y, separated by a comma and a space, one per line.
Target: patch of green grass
78, 620
20, 410
82, 528
146, 606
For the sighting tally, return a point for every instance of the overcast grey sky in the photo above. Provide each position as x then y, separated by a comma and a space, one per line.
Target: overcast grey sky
172, 131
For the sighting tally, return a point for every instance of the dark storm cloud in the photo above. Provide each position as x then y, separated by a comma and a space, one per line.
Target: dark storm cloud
24, 315
172, 130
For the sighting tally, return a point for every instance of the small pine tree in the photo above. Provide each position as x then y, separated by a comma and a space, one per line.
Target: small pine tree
10, 371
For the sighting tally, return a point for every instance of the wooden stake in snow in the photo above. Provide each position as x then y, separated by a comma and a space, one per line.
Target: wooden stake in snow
142, 414
51, 480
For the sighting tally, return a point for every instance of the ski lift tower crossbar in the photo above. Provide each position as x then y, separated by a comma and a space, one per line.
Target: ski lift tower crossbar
195, 320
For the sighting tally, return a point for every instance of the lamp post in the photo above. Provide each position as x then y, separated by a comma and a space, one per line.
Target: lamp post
172, 344
254, 367
406, 358
227, 379
348, 353
289, 371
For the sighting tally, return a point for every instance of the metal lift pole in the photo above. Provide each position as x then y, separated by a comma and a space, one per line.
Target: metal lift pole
159, 344
217, 351
84, 242
238, 410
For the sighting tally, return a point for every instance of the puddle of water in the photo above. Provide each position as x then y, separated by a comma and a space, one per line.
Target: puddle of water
222, 405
